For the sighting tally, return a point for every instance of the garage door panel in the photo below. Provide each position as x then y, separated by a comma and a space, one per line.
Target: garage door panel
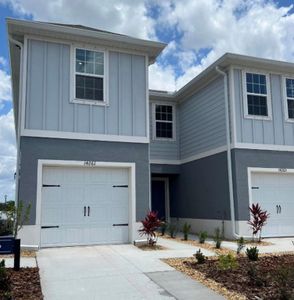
93, 189
275, 193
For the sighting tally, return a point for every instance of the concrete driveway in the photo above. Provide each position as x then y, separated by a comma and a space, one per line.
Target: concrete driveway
117, 272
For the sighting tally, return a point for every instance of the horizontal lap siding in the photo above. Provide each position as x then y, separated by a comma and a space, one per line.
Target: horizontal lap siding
276, 131
202, 120
48, 104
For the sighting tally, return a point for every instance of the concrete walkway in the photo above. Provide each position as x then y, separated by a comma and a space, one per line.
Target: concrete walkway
117, 272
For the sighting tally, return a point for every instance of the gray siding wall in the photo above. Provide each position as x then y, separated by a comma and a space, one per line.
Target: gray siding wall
168, 150
241, 160
48, 104
202, 120
33, 149
276, 131
201, 191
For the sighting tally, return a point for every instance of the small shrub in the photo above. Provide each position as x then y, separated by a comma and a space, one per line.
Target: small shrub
285, 280
258, 220
252, 253
227, 262
202, 237
255, 278
186, 230
4, 281
163, 228
149, 226
172, 228
241, 244
200, 257
218, 238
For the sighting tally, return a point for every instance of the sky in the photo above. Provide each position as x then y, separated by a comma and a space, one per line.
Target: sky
197, 32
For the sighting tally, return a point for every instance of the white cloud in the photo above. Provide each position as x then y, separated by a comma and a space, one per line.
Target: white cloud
5, 84
161, 78
7, 155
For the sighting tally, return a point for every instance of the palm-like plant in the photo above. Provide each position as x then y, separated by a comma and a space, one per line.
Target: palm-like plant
149, 226
258, 219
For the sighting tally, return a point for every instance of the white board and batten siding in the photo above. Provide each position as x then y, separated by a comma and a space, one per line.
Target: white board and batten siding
84, 206
48, 105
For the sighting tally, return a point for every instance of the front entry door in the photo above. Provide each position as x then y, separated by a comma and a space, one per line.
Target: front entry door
159, 197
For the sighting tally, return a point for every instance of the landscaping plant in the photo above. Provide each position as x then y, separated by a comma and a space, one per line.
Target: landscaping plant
255, 278
202, 237
258, 220
4, 281
163, 227
200, 257
241, 244
186, 230
172, 228
227, 262
218, 238
285, 279
150, 224
252, 253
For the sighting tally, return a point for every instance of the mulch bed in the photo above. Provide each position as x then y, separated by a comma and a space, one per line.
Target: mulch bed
146, 247
268, 283
24, 285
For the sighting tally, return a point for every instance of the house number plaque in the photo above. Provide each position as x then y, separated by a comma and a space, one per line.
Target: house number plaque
89, 163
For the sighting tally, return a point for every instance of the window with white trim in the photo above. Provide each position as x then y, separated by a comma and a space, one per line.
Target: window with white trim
89, 75
257, 94
290, 96
164, 121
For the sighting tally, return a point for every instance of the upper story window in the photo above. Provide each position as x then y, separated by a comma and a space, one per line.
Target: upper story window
257, 95
89, 76
164, 122
289, 85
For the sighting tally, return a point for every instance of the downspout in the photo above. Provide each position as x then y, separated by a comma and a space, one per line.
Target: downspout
229, 158
20, 45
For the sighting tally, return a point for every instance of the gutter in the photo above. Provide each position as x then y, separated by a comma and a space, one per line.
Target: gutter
229, 158
20, 45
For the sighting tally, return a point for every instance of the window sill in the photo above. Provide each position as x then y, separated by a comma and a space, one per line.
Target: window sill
288, 120
90, 102
260, 118
164, 139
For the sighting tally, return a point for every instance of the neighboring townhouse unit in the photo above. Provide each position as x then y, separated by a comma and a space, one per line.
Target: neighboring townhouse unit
93, 142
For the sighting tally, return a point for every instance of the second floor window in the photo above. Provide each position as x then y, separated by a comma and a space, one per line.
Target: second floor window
290, 97
257, 95
89, 75
164, 120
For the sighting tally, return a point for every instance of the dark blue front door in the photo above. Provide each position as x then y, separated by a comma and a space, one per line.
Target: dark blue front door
158, 198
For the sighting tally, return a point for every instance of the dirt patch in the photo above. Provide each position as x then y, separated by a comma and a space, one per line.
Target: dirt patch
146, 247
22, 285
206, 246
273, 275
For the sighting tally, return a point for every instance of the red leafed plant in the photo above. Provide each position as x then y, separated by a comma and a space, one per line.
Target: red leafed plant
258, 219
149, 225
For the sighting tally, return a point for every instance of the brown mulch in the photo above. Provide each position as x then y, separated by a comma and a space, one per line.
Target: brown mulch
23, 285
146, 247
237, 284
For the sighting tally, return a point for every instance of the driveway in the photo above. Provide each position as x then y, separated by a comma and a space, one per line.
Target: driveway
117, 272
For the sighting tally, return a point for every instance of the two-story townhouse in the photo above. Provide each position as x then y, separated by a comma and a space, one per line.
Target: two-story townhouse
82, 124
231, 145
92, 141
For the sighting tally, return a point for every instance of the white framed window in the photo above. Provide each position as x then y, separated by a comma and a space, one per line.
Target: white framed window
163, 121
256, 90
288, 84
89, 76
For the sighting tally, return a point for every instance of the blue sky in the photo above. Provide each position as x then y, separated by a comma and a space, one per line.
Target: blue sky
197, 33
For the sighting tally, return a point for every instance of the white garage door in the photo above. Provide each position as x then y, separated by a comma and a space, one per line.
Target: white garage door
82, 206
275, 193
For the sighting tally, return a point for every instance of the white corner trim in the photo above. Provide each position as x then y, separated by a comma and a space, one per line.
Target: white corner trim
84, 136
263, 147
268, 95
71, 163
147, 98
232, 104
190, 158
